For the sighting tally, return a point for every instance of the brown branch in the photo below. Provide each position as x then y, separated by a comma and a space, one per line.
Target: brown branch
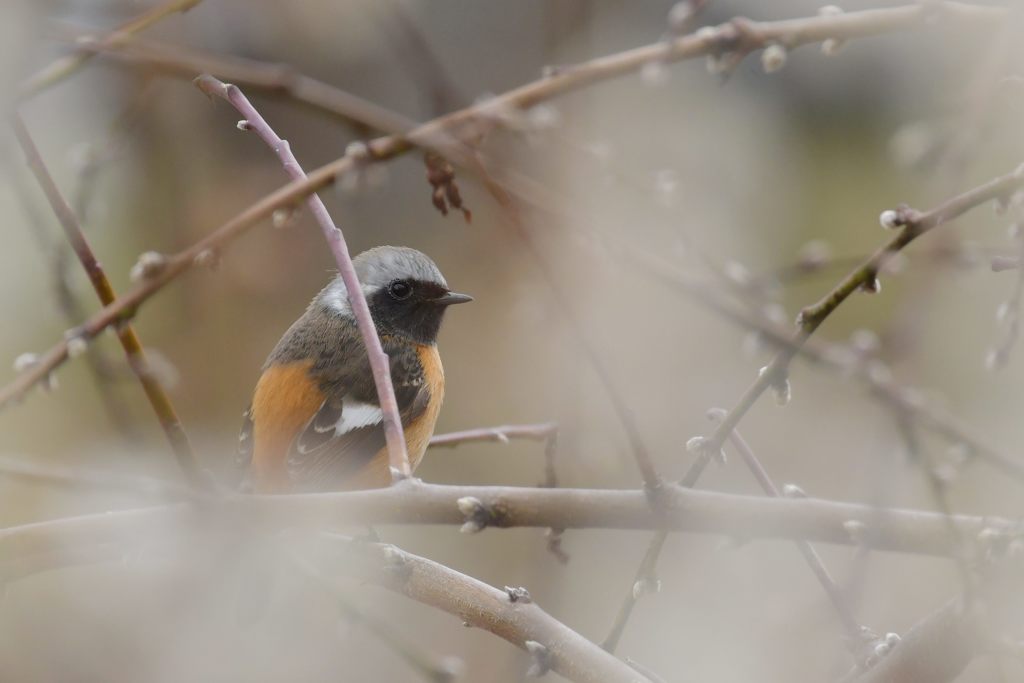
65, 66
912, 224
379, 363
158, 397
828, 355
439, 133
687, 510
101, 367
176, 61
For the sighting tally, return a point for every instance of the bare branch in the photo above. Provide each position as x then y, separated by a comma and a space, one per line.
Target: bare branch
500, 434
911, 224
158, 397
477, 604
60, 69
681, 509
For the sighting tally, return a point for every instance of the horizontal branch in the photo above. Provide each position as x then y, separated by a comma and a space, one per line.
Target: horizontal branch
676, 509
500, 434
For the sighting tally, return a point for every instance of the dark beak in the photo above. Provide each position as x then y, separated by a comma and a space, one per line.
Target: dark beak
450, 298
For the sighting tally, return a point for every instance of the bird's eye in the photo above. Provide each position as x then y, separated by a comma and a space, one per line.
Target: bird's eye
400, 289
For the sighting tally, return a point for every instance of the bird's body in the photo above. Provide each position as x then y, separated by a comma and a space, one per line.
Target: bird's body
315, 422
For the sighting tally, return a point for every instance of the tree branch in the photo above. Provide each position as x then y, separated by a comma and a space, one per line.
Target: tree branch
681, 509
523, 623
158, 397
63, 67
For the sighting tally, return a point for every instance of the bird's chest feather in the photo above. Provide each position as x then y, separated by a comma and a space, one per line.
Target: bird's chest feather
418, 433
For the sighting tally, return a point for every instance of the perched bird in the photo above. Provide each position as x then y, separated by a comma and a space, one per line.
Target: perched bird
315, 423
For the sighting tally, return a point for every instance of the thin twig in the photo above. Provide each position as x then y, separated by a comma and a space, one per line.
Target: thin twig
158, 397
179, 62
501, 434
852, 627
919, 455
56, 253
379, 363
63, 67
912, 224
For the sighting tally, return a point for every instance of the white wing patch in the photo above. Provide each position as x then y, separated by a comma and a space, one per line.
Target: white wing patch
355, 415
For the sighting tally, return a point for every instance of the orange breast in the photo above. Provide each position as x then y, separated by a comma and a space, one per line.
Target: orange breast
376, 474
417, 435
284, 401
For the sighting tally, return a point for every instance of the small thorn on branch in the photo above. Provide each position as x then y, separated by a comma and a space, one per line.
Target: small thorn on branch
518, 594
149, 265
478, 516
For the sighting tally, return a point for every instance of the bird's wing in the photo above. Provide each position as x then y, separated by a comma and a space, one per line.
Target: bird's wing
347, 430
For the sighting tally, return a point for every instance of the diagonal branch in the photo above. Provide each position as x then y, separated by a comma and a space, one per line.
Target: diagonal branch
553, 645
63, 67
911, 224
379, 363
158, 397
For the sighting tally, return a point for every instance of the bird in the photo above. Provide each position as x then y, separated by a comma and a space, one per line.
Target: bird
315, 421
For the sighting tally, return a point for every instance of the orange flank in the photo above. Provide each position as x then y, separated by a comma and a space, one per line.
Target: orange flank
285, 399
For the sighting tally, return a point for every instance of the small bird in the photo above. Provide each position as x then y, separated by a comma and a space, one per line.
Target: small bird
315, 423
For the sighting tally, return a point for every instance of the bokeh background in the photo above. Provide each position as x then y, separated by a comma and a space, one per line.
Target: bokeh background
727, 181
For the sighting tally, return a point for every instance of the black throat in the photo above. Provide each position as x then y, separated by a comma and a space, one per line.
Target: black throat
417, 318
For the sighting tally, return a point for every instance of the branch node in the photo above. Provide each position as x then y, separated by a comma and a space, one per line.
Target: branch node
541, 658
518, 594
477, 515
793, 491
649, 585
149, 265
207, 258
855, 529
